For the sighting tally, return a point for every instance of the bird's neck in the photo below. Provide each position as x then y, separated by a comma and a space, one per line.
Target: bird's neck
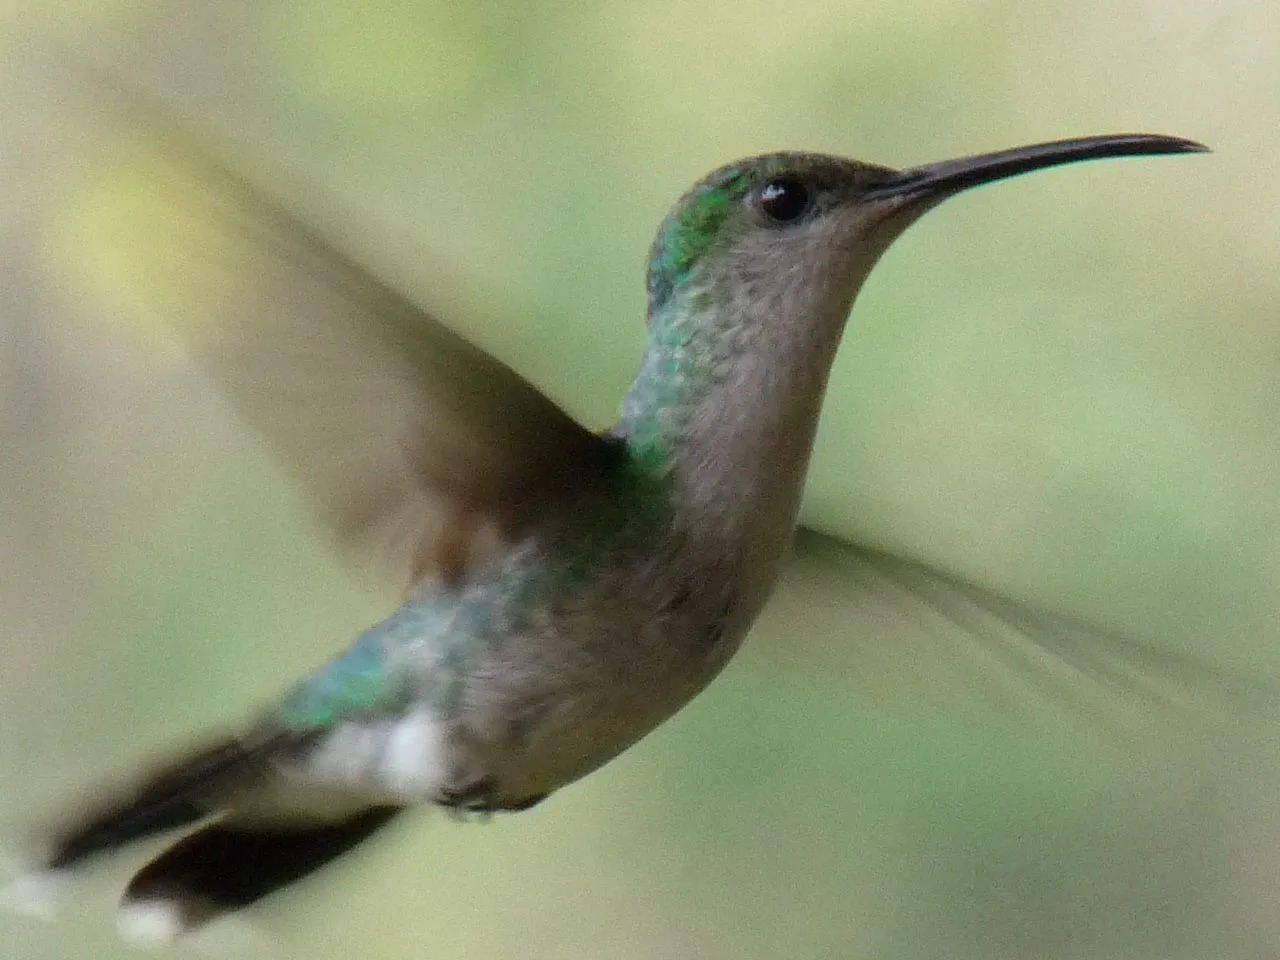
724, 409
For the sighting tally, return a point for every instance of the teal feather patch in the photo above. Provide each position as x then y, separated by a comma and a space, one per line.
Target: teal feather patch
361, 680
690, 230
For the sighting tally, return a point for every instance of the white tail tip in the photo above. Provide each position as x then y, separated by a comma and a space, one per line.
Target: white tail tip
32, 893
150, 924
155, 924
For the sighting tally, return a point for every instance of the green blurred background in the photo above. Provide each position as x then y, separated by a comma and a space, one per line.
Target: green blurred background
1063, 388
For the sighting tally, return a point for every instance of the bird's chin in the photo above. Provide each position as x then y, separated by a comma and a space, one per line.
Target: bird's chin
893, 215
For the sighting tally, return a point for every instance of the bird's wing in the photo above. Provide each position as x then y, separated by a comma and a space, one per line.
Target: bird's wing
901, 632
417, 446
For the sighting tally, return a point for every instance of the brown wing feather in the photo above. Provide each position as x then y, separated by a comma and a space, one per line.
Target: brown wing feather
418, 447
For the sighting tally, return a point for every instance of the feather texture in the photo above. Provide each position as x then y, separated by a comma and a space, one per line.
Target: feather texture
419, 449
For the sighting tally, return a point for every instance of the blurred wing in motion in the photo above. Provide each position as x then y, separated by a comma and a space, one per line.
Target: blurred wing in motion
910, 634
419, 448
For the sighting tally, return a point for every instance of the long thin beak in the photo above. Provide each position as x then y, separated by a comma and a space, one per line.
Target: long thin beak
951, 176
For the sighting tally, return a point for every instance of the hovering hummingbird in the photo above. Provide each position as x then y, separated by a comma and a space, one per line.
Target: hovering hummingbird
569, 590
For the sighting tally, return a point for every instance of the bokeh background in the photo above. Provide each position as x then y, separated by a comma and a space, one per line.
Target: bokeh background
1063, 388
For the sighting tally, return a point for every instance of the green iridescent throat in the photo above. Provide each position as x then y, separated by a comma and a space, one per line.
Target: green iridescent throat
672, 370
674, 373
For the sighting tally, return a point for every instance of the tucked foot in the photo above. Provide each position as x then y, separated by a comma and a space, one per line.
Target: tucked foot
480, 797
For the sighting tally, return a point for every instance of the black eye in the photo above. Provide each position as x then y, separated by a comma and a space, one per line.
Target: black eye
784, 199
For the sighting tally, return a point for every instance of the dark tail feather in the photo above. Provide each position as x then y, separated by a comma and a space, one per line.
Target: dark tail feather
175, 795
229, 865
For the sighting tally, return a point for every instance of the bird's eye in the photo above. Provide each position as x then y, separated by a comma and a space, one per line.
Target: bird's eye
783, 200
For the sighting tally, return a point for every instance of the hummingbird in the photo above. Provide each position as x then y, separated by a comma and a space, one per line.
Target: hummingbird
566, 591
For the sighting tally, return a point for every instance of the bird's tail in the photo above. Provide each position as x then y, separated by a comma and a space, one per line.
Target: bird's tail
228, 865
173, 794
230, 862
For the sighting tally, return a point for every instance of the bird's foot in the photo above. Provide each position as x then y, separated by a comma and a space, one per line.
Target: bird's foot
480, 798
